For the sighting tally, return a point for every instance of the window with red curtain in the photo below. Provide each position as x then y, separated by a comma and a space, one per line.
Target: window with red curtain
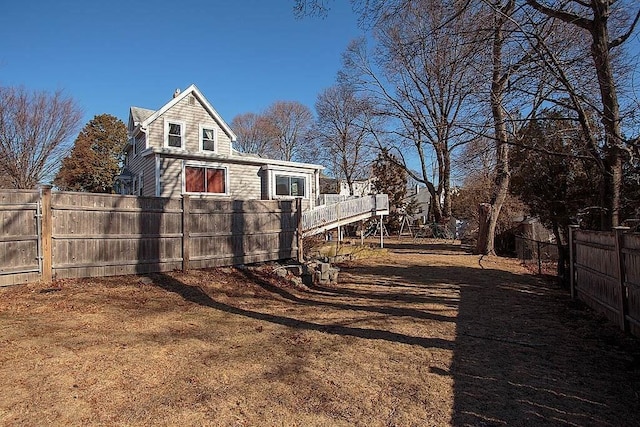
215, 180
204, 180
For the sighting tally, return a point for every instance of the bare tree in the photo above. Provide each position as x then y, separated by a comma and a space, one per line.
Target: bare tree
342, 129
594, 18
423, 74
255, 134
35, 128
291, 122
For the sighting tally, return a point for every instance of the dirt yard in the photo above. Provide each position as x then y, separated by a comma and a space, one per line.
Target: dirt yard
419, 335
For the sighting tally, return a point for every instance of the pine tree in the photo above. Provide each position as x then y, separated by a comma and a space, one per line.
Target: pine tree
95, 159
390, 179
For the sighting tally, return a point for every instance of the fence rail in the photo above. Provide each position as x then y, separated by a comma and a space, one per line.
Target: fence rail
328, 215
88, 235
605, 274
535, 254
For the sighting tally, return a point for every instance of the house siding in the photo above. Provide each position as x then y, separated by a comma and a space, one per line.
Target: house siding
192, 116
140, 164
244, 180
149, 176
170, 177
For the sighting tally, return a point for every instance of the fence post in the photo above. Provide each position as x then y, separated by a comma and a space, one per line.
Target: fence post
624, 309
299, 230
572, 260
185, 233
47, 234
539, 257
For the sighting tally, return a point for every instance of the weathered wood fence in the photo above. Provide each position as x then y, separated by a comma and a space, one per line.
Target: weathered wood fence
20, 244
605, 274
48, 235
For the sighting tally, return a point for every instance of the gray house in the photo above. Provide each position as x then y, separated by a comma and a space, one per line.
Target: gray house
185, 147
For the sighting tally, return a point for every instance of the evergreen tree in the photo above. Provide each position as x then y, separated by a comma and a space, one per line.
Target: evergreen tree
556, 177
390, 178
95, 159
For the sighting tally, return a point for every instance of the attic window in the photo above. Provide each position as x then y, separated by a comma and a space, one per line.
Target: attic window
192, 100
174, 134
207, 138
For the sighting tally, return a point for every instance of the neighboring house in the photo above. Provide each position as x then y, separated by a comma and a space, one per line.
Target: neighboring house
422, 199
185, 147
361, 187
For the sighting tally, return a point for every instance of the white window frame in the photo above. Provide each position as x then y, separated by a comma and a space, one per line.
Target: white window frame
304, 176
207, 165
132, 142
140, 183
183, 137
201, 128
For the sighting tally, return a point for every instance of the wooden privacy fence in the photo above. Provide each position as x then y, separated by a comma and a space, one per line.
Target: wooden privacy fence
52, 235
605, 274
20, 245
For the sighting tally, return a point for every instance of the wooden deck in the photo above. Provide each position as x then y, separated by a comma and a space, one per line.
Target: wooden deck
328, 217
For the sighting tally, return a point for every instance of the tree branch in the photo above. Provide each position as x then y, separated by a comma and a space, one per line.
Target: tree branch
618, 41
567, 17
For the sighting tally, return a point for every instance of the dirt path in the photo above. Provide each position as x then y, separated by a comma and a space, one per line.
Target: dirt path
422, 335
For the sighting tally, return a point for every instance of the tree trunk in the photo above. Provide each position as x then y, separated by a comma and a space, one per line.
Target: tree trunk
498, 87
435, 203
563, 255
446, 187
484, 218
610, 109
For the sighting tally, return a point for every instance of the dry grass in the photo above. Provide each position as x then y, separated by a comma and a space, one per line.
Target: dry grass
424, 335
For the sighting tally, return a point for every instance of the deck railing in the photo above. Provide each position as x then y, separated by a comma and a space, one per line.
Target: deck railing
324, 215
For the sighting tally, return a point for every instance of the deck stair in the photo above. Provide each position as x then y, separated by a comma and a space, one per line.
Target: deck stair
327, 217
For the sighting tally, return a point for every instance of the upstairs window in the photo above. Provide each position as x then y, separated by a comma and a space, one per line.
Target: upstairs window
205, 180
293, 186
207, 139
174, 134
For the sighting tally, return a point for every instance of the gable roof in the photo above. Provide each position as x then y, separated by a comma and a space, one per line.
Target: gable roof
138, 115
196, 92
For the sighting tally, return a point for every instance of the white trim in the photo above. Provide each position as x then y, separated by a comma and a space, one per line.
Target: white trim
183, 132
201, 128
157, 170
194, 90
267, 164
209, 165
273, 183
140, 184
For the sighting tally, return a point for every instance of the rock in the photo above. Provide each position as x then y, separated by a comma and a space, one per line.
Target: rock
146, 280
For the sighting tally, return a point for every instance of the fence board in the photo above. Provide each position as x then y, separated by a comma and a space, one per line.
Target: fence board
102, 234
596, 266
241, 232
607, 275
631, 259
19, 261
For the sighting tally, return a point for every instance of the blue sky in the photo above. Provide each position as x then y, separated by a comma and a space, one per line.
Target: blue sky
242, 54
